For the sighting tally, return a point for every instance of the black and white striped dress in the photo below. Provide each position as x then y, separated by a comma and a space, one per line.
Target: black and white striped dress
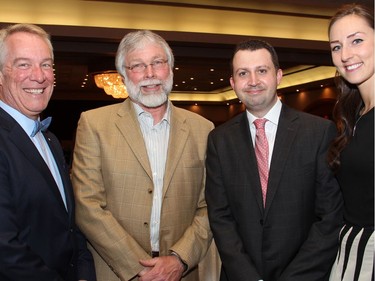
355, 258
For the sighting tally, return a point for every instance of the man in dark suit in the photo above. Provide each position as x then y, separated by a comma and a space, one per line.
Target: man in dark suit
290, 234
38, 237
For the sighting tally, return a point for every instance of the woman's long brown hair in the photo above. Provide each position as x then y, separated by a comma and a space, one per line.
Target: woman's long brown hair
349, 101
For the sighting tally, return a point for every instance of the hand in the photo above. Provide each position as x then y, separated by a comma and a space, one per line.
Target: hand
166, 268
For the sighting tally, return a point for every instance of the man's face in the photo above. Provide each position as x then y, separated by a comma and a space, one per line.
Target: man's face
27, 79
255, 80
150, 87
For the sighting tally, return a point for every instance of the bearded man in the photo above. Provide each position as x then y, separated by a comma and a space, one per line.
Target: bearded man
139, 173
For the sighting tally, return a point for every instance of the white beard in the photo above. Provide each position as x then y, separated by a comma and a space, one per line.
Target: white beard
150, 100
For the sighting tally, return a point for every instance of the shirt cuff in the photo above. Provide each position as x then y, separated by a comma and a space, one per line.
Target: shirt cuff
186, 267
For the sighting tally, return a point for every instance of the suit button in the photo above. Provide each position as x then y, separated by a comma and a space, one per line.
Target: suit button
145, 224
71, 230
149, 190
261, 222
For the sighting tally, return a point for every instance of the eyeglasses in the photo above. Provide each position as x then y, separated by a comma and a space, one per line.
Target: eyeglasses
140, 67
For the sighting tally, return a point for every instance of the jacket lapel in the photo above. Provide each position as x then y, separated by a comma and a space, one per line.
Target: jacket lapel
63, 170
286, 132
128, 125
178, 136
247, 156
31, 153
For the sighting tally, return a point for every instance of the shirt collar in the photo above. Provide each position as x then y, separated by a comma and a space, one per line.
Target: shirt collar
272, 115
25, 122
140, 111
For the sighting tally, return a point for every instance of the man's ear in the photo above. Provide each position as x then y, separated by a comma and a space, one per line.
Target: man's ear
231, 82
279, 76
1, 78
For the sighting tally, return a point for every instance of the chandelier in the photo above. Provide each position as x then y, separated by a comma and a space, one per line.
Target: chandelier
112, 84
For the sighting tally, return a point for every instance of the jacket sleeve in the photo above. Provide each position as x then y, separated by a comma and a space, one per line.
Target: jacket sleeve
18, 261
316, 256
109, 238
238, 264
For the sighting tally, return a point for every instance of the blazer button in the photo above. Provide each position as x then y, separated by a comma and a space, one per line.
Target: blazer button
145, 224
261, 222
149, 190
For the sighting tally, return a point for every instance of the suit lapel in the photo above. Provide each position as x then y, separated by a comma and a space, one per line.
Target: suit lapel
128, 125
178, 136
61, 165
22, 142
286, 132
244, 145
31, 153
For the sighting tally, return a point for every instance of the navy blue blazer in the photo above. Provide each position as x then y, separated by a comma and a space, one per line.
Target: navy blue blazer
38, 236
292, 238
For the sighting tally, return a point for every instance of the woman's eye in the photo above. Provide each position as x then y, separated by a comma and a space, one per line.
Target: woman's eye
335, 48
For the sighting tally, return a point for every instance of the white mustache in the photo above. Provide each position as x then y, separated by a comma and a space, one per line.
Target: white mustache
150, 82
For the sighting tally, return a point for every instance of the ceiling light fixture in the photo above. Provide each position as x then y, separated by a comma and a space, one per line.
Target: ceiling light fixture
112, 84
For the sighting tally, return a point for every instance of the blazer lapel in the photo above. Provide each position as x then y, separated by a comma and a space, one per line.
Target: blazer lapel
31, 153
239, 141
249, 160
178, 136
286, 132
128, 125
63, 170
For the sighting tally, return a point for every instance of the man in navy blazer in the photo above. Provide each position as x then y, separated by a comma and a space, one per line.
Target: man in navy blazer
291, 235
39, 240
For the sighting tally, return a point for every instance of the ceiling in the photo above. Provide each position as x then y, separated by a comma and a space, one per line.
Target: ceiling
86, 34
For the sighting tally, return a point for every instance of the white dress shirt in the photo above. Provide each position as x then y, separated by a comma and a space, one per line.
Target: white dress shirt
270, 127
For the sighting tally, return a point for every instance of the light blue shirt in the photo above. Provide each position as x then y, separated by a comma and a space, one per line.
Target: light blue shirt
40, 143
156, 138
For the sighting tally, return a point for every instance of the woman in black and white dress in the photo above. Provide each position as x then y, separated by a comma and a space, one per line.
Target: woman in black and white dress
351, 38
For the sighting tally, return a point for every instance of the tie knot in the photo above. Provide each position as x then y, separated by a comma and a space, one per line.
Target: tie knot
41, 125
259, 123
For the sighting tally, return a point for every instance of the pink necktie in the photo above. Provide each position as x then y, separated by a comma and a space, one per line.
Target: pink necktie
261, 151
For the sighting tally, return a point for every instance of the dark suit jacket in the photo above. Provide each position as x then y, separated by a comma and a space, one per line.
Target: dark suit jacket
295, 236
38, 237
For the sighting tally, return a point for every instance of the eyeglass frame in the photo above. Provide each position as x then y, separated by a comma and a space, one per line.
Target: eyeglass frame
159, 62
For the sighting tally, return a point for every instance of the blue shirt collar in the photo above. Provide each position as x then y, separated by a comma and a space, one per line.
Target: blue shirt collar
25, 122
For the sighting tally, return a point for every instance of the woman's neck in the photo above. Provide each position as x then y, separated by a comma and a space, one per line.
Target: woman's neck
366, 90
